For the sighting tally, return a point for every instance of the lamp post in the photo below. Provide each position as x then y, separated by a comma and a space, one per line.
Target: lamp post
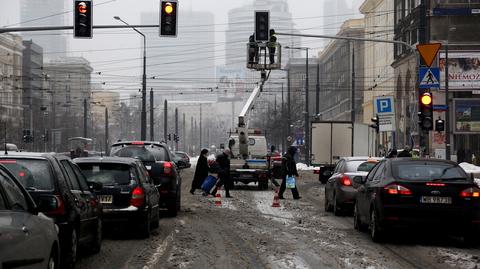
307, 118
143, 133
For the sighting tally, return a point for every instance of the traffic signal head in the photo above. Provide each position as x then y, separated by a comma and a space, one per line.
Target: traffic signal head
168, 18
262, 26
425, 111
83, 19
169, 137
376, 124
440, 125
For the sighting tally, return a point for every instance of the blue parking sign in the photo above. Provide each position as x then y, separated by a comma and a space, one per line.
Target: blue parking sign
384, 105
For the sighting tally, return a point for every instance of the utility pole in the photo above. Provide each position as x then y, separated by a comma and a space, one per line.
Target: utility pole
184, 133
165, 121
192, 132
352, 44
152, 124
107, 142
289, 131
200, 125
317, 96
176, 128
85, 134
283, 125
307, 117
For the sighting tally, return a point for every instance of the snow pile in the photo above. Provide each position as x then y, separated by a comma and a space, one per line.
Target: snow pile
302, 166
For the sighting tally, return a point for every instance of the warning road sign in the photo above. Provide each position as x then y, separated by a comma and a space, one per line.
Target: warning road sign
428, 52
428, 78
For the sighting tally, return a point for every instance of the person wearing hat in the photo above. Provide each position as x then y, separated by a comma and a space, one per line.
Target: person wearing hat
201, 171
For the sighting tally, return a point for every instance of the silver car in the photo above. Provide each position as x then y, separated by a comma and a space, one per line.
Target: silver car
28, 239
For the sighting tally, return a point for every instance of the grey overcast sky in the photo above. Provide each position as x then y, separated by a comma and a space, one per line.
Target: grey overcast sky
130, 10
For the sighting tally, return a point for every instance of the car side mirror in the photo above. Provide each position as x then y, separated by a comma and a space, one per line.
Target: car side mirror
96, 186
46, 203
359, 179
181, 164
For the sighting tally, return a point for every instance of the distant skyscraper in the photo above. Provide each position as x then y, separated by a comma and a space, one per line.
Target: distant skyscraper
190, 57
241, 26
45, 13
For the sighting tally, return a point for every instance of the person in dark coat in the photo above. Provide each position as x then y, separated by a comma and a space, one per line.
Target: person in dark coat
392, 153
289, 168
223, 165
201, 171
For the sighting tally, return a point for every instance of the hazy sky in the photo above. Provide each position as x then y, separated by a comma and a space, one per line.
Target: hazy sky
129, 10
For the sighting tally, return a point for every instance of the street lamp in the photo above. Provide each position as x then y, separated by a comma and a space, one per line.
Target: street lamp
143, 135
307, 118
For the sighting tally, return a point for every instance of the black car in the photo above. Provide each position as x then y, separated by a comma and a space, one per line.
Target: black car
417, 193
339, 189
28, 239
184, 159
128, 195
61, 191
158, 159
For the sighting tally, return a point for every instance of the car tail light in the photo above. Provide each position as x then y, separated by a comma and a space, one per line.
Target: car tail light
138, 197
346, 181
472, 192
58, 205
395, 189
168, 168
436, 184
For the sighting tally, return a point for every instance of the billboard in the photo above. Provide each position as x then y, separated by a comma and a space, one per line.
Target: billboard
231, 83
463, 70
467, 115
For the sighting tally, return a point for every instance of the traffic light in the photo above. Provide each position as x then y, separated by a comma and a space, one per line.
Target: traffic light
376, 124
83, 19
169, 137
168, 18
262, 26
440, 125
425, 111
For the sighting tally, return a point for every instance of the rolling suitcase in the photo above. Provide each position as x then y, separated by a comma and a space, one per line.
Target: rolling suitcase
209, 183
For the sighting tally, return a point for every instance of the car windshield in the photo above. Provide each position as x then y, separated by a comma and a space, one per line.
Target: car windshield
32, 173
366, 166
107, 173
427, 171
352, 166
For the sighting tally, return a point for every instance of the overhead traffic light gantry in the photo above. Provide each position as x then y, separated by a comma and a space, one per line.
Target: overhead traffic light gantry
83, 17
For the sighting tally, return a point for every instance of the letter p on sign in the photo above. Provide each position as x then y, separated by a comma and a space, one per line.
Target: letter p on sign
384, 105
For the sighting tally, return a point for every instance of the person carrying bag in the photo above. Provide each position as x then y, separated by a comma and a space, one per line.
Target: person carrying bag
289, 172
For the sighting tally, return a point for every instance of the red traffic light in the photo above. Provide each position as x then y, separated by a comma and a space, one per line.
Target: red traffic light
82, 7
426, 99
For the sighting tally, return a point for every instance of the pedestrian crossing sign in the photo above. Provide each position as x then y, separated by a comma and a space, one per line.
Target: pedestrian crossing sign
428, 78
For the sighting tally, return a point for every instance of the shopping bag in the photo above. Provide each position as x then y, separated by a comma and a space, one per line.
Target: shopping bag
290, 182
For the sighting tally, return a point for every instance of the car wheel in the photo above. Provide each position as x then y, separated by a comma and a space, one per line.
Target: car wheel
156, 219
336, 207
70, 257
53, 259
375, 233
97, 239
328, 207
145, 226
357, 222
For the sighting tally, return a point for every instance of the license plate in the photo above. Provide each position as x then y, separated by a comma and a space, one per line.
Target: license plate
436, 200
105, 199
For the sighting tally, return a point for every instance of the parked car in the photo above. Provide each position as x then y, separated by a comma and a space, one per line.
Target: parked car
28, 239
160, 162
128, 195
339, 189
184, 158
416, 193
61, 191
